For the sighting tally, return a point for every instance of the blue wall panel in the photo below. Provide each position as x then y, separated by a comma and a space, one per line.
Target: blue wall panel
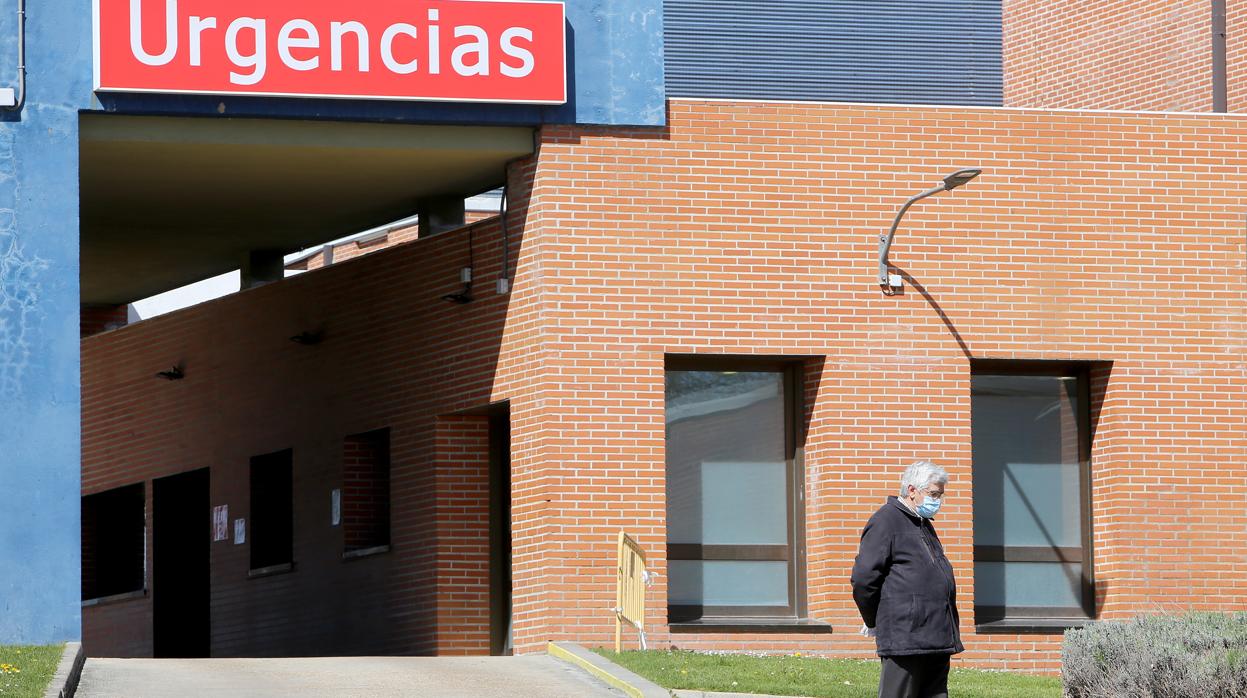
897, 51
40, 590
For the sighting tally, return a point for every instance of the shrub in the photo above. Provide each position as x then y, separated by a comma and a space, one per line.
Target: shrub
1197, 655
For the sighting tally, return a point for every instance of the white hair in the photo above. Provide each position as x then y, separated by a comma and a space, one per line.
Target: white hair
920, 474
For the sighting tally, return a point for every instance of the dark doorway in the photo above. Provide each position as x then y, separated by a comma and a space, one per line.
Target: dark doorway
272, 510
500, 530
181, 530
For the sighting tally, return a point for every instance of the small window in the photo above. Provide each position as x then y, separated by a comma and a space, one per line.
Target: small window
366, 490
732, 472
1031, 450
272, 513
114, 542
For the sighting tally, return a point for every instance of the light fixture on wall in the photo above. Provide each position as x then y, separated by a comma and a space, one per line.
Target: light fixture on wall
12, 99
952, 181
176, 373
464, 296
308, 337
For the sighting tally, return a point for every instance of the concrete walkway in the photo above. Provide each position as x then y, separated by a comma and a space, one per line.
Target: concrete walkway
538, 676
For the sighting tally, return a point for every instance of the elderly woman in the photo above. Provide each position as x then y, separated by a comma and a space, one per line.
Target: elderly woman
904, 588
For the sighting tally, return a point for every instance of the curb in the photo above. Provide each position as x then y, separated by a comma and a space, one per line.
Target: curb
606, 670
690, 693
65, 680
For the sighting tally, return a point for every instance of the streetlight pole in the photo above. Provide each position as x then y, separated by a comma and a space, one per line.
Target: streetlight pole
952, 181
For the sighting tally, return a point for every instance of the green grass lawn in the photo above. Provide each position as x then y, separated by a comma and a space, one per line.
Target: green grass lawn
795, 675
25, 670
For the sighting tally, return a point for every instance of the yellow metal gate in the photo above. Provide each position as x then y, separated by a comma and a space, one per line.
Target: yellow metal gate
632, 578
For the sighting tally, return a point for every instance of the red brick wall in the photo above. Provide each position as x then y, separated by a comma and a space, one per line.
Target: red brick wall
94, 319
351, 250
1236, 55
366, 490
463, 534
1111, 54
393, 355
739, 229
751, 229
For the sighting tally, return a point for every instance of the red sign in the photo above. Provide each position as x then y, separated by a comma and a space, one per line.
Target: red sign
433, 50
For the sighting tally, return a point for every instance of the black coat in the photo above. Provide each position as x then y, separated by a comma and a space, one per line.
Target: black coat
904, 586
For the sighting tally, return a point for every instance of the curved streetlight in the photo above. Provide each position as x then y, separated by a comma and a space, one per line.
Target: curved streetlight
952, 181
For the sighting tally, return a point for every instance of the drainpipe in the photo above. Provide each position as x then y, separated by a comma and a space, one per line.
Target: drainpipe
504, 210
504, 280
1220, 98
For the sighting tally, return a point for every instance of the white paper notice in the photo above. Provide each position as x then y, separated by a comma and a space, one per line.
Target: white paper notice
220, 523
335, 505
240, 531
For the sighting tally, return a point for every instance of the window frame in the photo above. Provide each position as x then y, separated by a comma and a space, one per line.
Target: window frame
985, 615
262, 462
792, 369
142, 574
379, 439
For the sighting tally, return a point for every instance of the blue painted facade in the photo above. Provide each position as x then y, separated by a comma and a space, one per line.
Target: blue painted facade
40, 590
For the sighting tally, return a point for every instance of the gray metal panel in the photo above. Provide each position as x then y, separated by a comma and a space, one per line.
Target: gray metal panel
929, 52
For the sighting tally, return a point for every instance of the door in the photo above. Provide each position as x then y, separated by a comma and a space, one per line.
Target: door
181, 534
500, 530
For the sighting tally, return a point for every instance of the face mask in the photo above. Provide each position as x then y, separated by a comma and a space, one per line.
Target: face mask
929, 507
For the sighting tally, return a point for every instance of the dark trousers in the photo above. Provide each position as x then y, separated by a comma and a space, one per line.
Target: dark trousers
914, 676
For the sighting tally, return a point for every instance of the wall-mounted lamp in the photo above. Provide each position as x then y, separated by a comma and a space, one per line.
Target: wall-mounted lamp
308, 337
174, 374
13, 99
952, 181
464, 296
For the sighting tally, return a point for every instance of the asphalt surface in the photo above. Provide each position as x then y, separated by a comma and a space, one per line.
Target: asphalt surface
539, 676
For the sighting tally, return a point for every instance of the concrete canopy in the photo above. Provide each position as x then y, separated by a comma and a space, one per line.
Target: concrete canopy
167, 201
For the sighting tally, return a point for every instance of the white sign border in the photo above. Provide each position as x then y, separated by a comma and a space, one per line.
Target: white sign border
96, 87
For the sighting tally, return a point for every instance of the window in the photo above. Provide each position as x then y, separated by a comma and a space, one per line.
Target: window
272, 512
1031, 446
732, 474
366, 491
114, 542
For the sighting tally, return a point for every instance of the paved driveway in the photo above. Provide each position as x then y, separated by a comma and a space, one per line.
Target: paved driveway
539, 676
